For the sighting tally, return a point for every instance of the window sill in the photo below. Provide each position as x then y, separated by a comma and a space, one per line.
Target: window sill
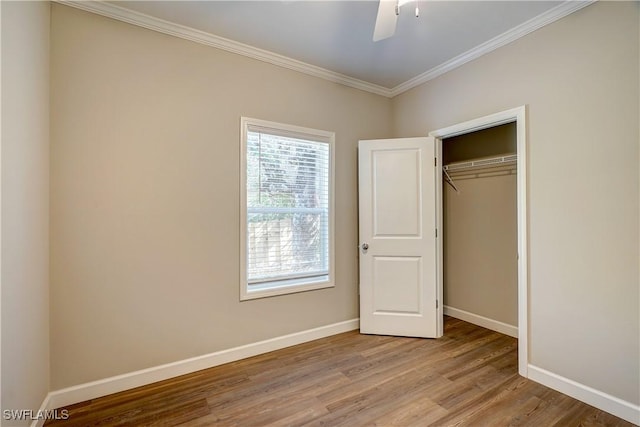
284, 287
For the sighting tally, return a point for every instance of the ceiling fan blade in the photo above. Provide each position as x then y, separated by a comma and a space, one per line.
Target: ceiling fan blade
386, 20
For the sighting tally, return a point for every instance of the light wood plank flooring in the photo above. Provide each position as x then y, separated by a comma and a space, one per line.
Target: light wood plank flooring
467, 378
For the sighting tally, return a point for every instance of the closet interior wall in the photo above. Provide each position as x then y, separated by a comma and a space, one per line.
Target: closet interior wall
480, 227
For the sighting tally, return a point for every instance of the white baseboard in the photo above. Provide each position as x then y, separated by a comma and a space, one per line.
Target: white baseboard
43, 408
485, 322
95, 389
613, 405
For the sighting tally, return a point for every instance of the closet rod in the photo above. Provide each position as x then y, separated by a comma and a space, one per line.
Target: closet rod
492, 161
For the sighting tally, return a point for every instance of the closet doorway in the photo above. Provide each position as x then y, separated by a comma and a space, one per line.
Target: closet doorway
480, 228
482, 258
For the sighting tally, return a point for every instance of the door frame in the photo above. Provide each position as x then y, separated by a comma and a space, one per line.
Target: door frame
517, 115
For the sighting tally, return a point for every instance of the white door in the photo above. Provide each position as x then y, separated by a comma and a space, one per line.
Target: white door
397, 201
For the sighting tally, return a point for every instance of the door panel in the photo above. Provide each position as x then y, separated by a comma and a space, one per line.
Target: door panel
396, 284
397, 226
396, 193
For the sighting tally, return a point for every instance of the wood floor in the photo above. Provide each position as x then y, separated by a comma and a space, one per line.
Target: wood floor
467, 378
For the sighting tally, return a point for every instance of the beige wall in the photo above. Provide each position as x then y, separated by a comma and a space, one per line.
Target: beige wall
493, 141
25, 205
145, 196
579, 79
144, 173
481, 247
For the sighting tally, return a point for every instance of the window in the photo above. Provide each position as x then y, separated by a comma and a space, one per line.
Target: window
286, 209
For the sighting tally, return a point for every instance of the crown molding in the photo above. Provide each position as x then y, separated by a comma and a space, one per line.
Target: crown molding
142, 20
550, 16
110, 10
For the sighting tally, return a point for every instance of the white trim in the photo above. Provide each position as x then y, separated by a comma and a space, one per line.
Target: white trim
1, 150
46, 403
611, 404
95, 389
440, 241
523, 240
249, 294
480, 123
146, 21
485, 322
546, 18
160, 25
517, 115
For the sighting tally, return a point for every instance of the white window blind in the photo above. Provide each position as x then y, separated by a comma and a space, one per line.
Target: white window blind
287, 202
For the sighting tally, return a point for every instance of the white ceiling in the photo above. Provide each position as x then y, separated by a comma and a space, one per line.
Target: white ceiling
337, 35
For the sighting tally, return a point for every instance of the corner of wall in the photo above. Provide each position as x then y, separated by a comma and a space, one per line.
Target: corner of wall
24, 204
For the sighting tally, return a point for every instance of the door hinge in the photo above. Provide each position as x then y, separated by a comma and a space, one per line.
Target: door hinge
436, 303
435, 161
436, 233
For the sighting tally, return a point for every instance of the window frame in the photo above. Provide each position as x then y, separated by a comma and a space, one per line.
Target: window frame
284, 287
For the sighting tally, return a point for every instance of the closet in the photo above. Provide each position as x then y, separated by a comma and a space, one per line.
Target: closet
480, 241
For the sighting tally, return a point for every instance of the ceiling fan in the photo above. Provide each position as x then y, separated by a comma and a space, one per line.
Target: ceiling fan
388, 11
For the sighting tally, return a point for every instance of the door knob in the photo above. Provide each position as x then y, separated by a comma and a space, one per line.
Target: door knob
365, 246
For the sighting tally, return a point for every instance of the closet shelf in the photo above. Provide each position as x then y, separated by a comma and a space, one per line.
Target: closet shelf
486, 162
